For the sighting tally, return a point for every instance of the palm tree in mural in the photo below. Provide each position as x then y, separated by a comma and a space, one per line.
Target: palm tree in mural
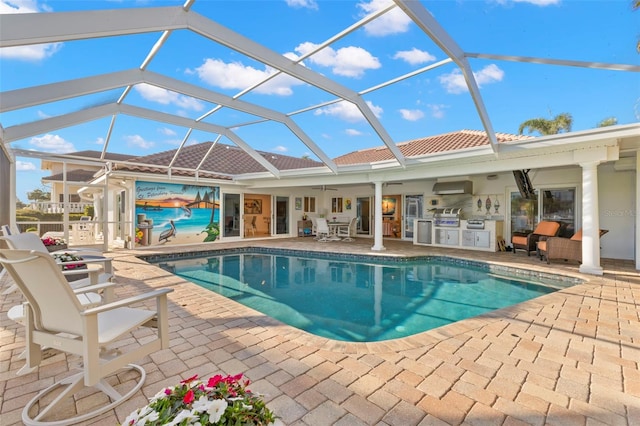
559, 123
212, 229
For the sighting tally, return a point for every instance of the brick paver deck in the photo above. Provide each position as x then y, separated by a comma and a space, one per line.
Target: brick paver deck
570, 357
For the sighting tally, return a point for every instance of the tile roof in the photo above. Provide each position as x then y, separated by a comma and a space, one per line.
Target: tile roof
225, 159
454, 141
97, 154
77, 175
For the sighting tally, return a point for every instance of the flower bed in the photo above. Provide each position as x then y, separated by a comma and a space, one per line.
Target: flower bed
53, 241
68, 257
219, 401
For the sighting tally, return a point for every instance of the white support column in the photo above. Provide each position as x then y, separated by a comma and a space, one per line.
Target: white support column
637, 216
377, 228
590, 220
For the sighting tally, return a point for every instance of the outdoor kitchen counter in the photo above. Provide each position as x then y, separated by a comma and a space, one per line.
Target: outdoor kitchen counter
465, 236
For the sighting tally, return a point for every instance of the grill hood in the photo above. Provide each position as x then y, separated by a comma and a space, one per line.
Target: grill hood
459, 187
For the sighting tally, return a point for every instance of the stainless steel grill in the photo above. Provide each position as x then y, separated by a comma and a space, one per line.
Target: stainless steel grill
447, 216
475, 224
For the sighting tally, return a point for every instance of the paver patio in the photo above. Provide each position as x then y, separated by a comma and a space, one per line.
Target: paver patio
570, 357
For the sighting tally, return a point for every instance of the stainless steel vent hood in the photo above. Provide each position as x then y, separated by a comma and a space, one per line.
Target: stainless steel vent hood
448, 188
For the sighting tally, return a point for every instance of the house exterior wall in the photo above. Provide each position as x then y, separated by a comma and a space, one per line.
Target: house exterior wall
617, 196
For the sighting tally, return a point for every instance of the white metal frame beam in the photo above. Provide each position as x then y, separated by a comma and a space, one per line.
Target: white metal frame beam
427, 23
35, 128
24, 29
37, 95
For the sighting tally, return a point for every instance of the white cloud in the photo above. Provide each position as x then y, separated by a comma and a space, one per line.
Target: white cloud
25, 166
52, 143
34, 52
235, 75
411, 114
414, 56
393, 22
137, 140
167, 131
454, 81
280, 148
353, 132
307, 4
348, 61
347, 111
437, 110
19, 6
167, 97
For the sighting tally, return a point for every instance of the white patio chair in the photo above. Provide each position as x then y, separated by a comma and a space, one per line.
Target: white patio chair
346, 231
322, 230
30, 241
54, 317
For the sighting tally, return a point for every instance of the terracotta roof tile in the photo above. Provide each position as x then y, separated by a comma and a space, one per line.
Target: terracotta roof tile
223, 159
96, 154
463, 139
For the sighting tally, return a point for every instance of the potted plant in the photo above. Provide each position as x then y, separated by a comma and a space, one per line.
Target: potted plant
217, 401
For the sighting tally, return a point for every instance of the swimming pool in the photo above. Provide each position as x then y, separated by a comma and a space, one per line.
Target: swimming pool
358, 298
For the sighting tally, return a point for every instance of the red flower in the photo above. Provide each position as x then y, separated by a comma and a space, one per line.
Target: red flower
213, 381
189, 397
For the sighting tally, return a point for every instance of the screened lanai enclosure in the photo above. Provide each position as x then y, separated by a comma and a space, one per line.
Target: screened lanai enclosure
260, 113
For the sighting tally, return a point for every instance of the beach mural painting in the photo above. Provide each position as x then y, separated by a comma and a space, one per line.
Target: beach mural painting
171, 213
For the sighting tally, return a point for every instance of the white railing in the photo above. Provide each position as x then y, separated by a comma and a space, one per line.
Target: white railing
50, 207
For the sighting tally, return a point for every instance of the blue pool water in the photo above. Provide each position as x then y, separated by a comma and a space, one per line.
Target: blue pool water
358, 301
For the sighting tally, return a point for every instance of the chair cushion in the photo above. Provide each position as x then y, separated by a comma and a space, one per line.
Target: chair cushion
542, 245
549, 229
577, 236
519, 240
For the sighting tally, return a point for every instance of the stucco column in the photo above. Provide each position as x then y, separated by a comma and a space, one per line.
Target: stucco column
637, 216
377, 224
590, 220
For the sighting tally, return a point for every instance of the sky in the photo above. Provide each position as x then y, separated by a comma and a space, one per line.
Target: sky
428, 103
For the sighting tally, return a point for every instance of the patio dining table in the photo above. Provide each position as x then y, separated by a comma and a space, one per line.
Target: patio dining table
333, 229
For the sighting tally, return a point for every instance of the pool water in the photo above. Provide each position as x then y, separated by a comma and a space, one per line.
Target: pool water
358, 301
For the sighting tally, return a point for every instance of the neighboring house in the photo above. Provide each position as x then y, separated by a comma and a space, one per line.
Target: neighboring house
78, 174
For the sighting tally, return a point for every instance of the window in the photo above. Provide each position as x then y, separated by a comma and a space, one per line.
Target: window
555, 204
309, 204
558, 205
336, 205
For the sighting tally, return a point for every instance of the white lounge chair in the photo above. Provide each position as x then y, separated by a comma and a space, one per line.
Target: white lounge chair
55, 318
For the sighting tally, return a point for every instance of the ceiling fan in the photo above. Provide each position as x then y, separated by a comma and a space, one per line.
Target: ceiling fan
324, 188
384, 184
